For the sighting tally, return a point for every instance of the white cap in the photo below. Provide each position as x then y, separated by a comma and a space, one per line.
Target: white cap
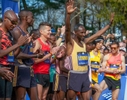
123, 49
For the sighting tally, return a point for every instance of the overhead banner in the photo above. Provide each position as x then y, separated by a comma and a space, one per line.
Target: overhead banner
10, 5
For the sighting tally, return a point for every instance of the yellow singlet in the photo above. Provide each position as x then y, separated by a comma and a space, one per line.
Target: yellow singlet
79, 58
95, 61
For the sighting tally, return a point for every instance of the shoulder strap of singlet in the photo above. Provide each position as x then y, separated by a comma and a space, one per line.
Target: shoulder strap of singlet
84, 45
40, 41
23, 33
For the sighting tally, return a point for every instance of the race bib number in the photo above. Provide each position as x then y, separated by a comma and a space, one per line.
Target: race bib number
82, 58
95, 65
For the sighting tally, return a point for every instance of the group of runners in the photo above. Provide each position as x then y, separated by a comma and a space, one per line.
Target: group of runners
62, 67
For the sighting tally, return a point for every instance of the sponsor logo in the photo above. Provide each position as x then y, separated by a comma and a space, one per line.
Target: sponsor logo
107, 96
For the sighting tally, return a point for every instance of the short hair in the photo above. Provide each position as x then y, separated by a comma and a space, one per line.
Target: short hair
23, 13
35, 31
114, 43
106, 49
42, 24
76, 27
98, 40
52, 34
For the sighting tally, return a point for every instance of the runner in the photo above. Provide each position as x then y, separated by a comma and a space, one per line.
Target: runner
95, 62
78, 76
7, 53
113, 65
62, 68
25, 80
41, 66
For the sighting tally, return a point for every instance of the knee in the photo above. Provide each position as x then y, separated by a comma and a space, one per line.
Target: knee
39, 98
21, 97
44, 97
71, 98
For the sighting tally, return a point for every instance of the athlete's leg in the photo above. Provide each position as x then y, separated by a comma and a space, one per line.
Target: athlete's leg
55, 97
86, 95
103, 85
20, 93
98, 90
71, 95
115, 94
79, 96
44, 92
32, 92
61, 95
39, 91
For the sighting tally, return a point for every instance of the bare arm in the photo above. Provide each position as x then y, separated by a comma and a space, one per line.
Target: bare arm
96, 35
123, 65
69, 10
62, 30
21, 41
62, 68
16, 34
100, 32
104, 63
7, 51
35, 49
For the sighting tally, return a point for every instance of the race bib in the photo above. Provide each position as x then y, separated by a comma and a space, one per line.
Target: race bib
82, 58
48, 59
52, 66
114, 66
10, 57
95, 65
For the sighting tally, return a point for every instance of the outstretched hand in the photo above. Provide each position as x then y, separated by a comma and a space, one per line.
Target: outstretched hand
112, 17
70, 7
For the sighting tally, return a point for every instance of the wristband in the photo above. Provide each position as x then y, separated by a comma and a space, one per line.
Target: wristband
61, 36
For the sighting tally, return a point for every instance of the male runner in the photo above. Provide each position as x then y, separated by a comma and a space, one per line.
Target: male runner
78, 76
7, 53
41, 66
25, 77
95, 63
113, 65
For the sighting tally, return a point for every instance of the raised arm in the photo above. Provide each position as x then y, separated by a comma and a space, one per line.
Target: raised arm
62, 30
100, 32
69, 10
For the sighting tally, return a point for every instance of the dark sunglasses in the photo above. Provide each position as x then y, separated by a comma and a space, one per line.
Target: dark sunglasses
12, 21
113, 48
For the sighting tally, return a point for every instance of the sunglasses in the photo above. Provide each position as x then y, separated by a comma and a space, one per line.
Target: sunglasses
113, 48
12, 21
